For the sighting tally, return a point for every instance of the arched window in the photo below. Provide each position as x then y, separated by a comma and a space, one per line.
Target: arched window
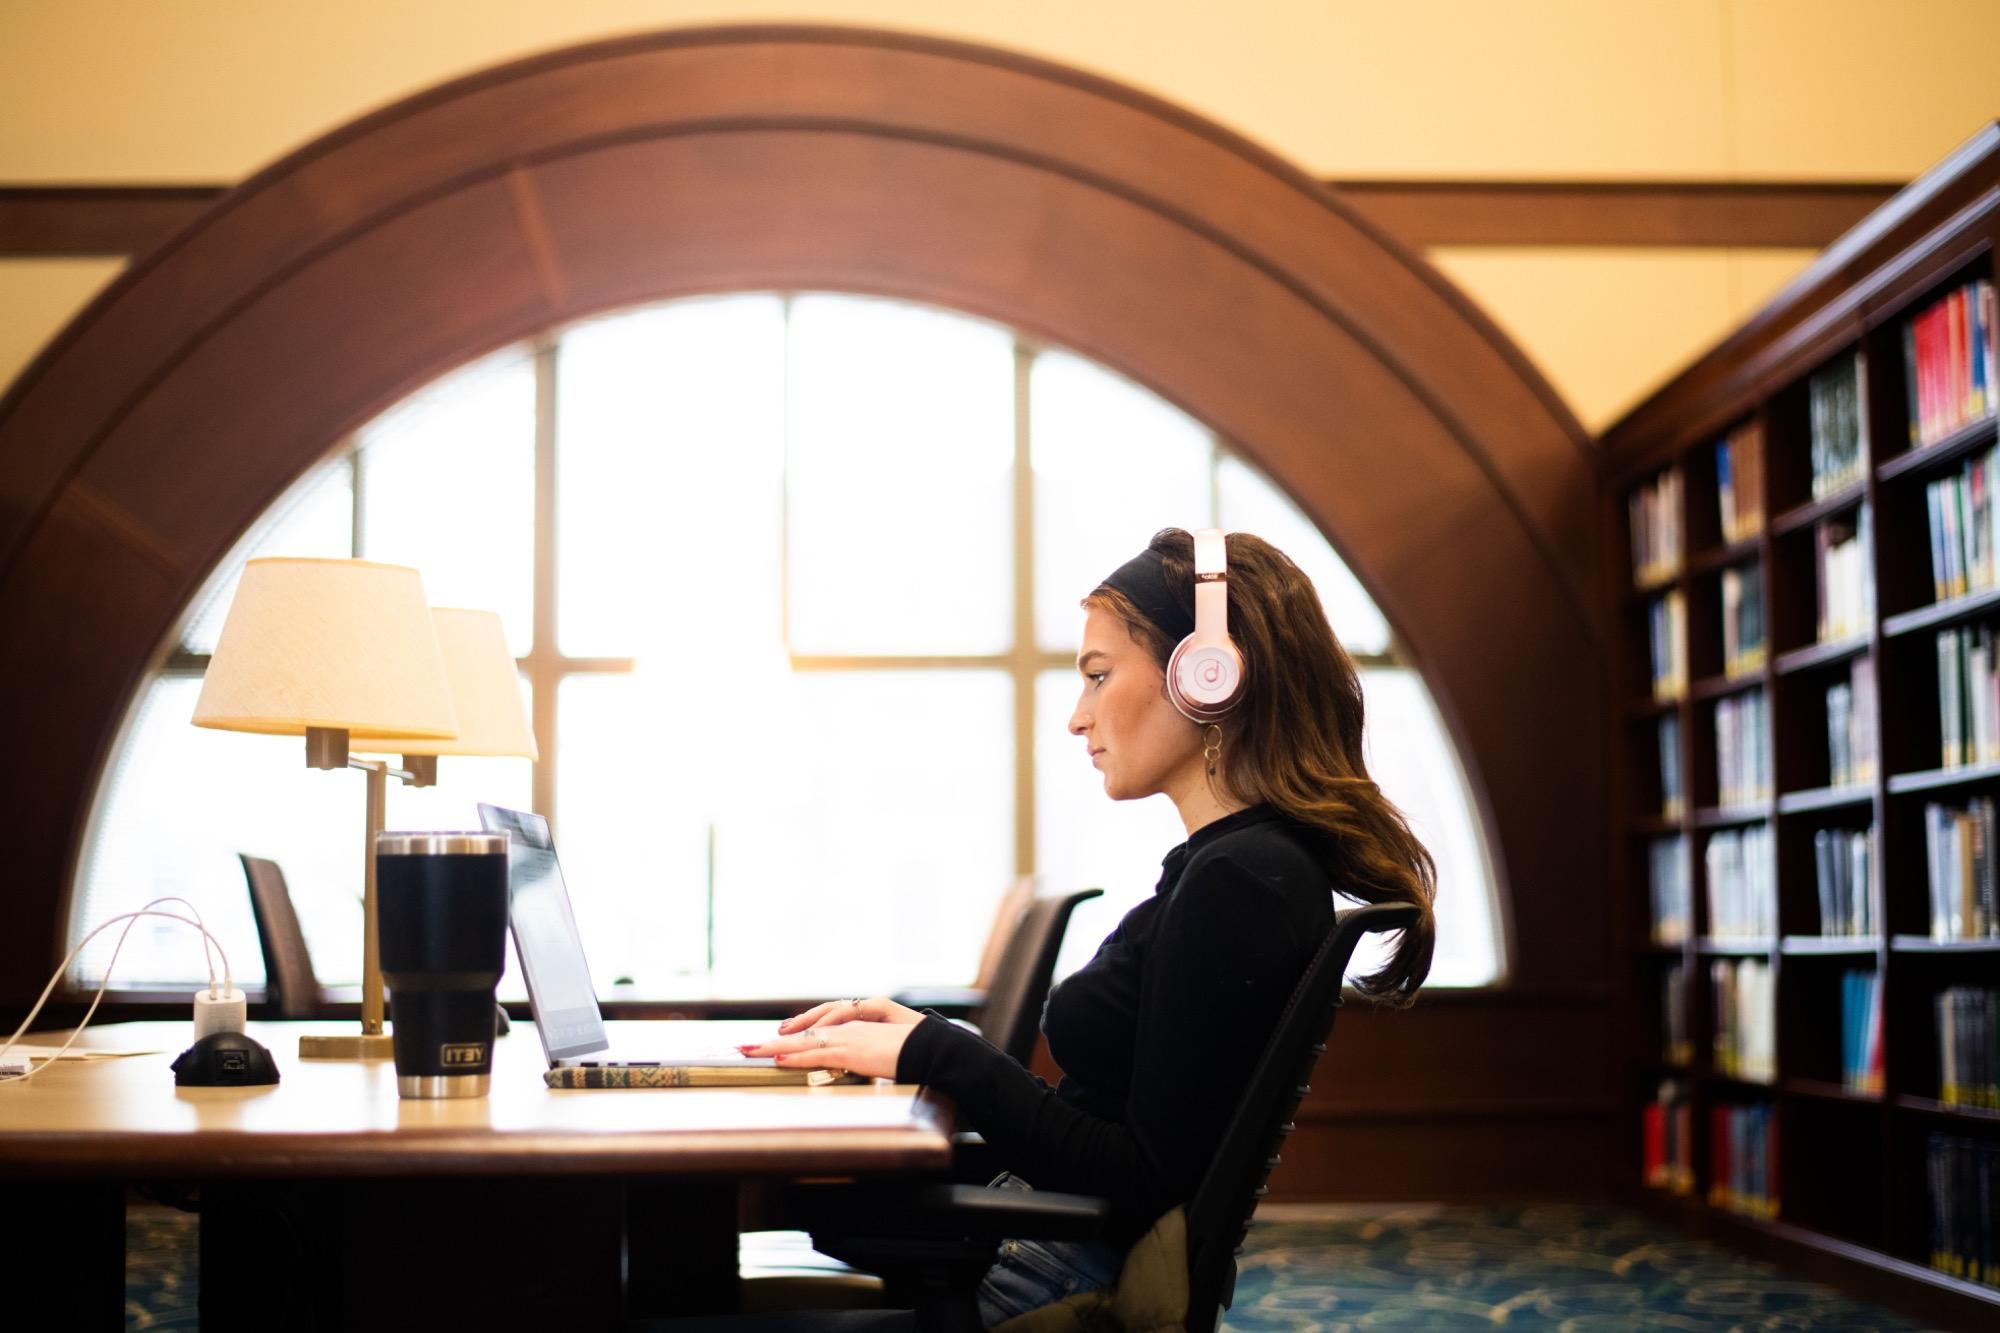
793, 581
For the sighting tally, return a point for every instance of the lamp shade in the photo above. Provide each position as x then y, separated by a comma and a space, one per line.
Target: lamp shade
344, 644
485, 691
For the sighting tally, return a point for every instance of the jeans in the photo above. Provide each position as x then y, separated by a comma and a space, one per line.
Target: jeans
1028, 1274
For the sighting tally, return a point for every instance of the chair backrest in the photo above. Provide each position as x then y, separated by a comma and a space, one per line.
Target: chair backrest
1011, 1017
1218, 1217
288, 969
1006, 917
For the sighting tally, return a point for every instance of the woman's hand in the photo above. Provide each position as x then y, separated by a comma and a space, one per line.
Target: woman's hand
877, 1010
863, 1037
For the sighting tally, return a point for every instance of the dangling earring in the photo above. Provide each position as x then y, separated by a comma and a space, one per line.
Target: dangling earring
1211, 748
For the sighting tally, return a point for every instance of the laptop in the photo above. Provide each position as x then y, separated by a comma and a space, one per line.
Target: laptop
567, 1018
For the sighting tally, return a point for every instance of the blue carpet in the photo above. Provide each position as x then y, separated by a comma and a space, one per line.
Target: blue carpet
1573, 1268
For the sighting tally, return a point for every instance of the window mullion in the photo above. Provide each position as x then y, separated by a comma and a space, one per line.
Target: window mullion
545, 666
1024, 660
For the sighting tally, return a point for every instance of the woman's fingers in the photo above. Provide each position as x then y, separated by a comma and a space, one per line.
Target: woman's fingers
800, 1022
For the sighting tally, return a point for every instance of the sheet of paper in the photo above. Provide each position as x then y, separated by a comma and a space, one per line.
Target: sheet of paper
73, 1053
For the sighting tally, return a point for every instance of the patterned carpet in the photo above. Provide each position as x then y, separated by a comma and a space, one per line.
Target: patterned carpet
1573, 1268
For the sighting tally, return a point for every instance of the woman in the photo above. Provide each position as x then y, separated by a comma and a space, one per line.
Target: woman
1159, 1032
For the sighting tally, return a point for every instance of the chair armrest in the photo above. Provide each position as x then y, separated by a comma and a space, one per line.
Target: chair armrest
949, 1001
934, 1211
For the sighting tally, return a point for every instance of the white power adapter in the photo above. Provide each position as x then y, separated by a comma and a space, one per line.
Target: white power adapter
224, 1010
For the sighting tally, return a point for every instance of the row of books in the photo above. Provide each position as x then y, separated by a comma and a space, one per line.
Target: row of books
1742, 883
1739, 482
1948, 370
1964, 1177
1839, 444
1846, 602
1745, 1044
1676, 1046
1742, 749
1842, 861
1861, 1030
1852, 746
1742, 1159
1968, 705
1969, 1046
1742, 621
1959, 847
1673, 797
1669, 1138
1959, 511
1667, 873
1655, 511
1667, 632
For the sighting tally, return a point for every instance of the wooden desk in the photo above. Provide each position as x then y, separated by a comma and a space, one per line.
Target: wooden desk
330, 1194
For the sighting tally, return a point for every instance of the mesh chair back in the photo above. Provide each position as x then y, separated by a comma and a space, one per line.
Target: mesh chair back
1012, 1015
288, 969
1218, 1217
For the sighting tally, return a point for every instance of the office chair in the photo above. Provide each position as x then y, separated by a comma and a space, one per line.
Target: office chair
1006, 1005
291, 989
934, 1243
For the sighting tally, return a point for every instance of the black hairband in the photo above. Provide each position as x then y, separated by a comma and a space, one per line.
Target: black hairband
1143, 580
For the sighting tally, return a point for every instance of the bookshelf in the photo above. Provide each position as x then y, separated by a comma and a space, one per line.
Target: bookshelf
1806, 606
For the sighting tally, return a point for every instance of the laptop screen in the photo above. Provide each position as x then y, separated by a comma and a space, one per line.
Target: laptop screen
545, 938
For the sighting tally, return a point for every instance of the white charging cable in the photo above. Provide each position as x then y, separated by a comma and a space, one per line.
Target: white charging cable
129, 918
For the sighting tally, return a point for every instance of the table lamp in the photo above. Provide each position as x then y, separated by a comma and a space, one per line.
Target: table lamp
485, 694
338, 651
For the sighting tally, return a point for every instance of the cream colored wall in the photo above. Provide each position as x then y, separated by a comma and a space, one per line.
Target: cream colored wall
105, 90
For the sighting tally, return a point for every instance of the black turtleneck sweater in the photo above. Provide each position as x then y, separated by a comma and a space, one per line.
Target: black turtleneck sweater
1158, 1034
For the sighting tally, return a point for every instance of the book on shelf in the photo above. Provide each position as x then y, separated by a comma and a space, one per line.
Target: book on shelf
1742, 621
1850, 726
1964, 1185
1669, 1146
1839, 445
1959, 847
1959, 514
1861, 1030
1846, 604
1742, 883
1677, 1044
1655, 512
1742, 749
1668, 870
1667, 629
1743, 1161
1948, 363
1968, 705
1744, 1008
1673, 799
1739, 482
1969, 1046
1842, 859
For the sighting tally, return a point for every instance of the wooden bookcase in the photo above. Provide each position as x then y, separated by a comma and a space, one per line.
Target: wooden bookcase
1853, 1198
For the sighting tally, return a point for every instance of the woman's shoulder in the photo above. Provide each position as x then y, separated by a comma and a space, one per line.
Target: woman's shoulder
1264, 840
1270, 850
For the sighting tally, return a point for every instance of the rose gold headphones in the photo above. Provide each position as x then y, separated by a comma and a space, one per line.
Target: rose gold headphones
1205, 673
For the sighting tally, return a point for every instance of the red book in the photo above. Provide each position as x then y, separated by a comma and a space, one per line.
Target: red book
1720, 1191
1927, 371
1957, 386
1656, 1144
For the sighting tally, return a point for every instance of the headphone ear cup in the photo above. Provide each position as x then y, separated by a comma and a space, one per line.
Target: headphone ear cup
1204, 680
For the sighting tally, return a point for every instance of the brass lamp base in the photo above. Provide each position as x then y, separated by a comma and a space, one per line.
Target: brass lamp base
348, 1046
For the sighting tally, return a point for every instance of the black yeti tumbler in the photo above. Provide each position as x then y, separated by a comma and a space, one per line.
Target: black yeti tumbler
442, 904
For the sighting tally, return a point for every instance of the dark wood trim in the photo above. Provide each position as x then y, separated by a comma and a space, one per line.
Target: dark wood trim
1736, 214
97, 219
1810, 215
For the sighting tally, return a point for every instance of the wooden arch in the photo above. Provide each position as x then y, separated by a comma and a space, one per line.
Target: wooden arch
210, 376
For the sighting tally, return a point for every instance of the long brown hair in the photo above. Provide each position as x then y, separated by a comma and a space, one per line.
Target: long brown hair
1295, 740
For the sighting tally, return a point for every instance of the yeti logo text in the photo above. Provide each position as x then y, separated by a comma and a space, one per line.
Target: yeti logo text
467, 1053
